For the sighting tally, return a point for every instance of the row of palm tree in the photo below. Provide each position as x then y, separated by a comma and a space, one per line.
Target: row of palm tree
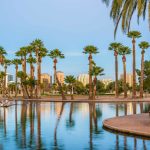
35, 51
118, 48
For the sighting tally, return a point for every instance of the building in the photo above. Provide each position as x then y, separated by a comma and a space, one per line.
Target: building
60, 76
9, 79
129, 78
106, 81
46, 81
84, 78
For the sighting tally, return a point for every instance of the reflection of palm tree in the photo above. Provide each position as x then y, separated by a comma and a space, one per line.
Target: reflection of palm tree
39, 142
117, 142
23, 123
134, 107
125, 108
92, 118
31, 116
16, 117
125, 142
117, 110
135, 144
57, 123
5, 131
144, 145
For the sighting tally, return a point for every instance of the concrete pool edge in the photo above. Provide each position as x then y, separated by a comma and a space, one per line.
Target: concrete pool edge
114, 127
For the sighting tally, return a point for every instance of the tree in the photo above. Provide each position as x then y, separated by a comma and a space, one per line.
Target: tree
16, 62
6, 63
40, 52
123, 11
79, 88
134, 35
96, 71
70, 80
31, 61
55, 54
2, 54
90, 49
23, 79
115, 47
124, 50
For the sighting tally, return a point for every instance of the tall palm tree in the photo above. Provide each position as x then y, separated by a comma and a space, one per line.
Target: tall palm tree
96, 71
31, 61
40, 52
22, 53
55, 54
134, 35
2, 54
123, 10
23, 78
6, 63
115, 46
124, 50
70, 80
16, 62
143, 45
90, 49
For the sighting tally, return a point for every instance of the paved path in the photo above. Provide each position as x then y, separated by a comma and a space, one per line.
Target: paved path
131, 124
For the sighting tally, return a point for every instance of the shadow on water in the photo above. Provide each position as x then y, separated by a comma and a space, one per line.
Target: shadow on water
29, 126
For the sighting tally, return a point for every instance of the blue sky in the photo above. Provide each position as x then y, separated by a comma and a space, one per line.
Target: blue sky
68, 25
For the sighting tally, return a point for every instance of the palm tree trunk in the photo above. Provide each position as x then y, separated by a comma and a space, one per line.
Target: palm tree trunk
124, 73
25, 68
116, 74
16, 81
90, 77
5, 76
94, 90
142, 75
72, 96
59, 84
55, 62
134, 70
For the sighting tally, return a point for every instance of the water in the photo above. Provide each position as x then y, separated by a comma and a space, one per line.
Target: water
66, 126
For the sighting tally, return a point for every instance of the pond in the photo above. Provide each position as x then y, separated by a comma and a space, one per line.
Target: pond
66, 126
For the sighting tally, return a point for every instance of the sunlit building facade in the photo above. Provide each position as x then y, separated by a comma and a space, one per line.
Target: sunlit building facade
84, 78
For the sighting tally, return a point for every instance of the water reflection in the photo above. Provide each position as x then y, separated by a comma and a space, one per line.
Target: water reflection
66, 126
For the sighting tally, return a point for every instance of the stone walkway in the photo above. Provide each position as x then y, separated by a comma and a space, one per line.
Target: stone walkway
132, 124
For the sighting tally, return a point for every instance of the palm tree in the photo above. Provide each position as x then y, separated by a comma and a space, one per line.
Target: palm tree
115, 46
22, 53
96, 71
31, 61
134, 35
124, 50
55, 54
40, 52
70, 80
90, 49
2, 54
16, 62
23, 79
6, 63
123, 11
143, 45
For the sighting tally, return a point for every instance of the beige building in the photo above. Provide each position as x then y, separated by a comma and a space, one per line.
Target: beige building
46, 80
106, 81
84, 78
129, 78
60, 76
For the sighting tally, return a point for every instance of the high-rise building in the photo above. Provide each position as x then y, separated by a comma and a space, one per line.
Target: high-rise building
129, 78
84, 78
106, 81
60, 76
